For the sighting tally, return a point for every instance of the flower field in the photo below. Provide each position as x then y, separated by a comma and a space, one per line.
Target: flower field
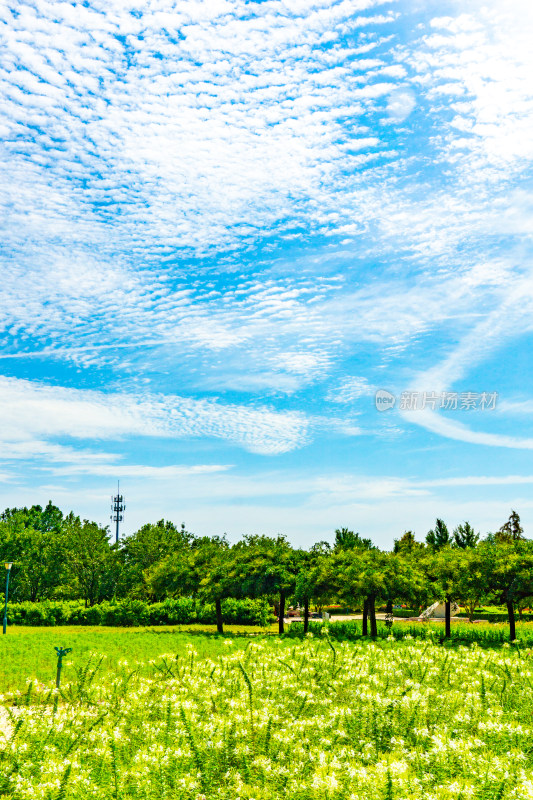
312, 719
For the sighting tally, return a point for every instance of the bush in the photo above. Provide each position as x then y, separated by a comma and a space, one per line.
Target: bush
336, 609
247, 612
124, 613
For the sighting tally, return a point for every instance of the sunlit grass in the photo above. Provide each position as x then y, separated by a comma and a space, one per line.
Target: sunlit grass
29, 652
263, 718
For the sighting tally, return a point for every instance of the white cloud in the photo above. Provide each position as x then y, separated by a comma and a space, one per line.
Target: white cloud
451, 429
349, 390
514, 313
486, 55
29, 411
153, 110
129, 471
400, 104
254, 105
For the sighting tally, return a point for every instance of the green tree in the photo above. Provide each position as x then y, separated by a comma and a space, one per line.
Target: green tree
348, 540
92, 567
508, 574
443, 568
199, 568
511, 531
371, 576
262, 565
321, 548
144, 549
470, 584
407, 543
464, 536
387, 577
40, 564
311, 567
211, 559
318, 578
439, 536
31, 539
49, 519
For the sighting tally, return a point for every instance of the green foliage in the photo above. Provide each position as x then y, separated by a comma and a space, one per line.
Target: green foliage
31, 539
131, 612
407, 543
464, 536
438, 537
165, 574
511, 531
346, 539
93, 566
262, 565
147, 548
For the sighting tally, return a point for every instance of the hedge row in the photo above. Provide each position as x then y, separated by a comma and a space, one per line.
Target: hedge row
182, 611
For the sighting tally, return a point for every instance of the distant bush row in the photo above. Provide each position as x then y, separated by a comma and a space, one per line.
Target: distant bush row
181, 611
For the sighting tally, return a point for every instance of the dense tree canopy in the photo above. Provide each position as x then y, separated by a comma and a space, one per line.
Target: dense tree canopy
63, 557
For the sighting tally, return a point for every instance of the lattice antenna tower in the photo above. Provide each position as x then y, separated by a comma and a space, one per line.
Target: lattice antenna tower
118, 506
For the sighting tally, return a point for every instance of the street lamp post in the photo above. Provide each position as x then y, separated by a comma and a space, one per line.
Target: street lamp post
8, 570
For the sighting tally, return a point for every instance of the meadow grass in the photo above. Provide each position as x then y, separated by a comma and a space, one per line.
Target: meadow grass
27, 652
263, 718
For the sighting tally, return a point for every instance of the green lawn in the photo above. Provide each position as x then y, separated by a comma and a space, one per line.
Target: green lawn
29, 652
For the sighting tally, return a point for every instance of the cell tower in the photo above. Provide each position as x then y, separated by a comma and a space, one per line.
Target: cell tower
117, 507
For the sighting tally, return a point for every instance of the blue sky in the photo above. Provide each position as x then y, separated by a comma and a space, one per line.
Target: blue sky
226, 225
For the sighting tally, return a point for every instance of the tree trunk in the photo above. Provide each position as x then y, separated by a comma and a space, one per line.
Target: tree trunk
365, 617
447, 618
218, 609
372, 615
281, 627
306, 615
512, 625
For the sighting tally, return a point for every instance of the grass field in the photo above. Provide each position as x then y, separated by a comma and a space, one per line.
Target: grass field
259, 718
29, 652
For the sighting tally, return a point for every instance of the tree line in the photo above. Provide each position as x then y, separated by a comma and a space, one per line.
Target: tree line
57, 556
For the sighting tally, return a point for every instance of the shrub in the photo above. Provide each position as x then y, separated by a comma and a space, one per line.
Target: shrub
85, 616
124, 613
337, 609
